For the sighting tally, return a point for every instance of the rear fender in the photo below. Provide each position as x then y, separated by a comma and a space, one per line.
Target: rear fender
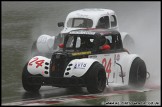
123, 35
39, 65
45, 43
78, 67
125, 62
128, 42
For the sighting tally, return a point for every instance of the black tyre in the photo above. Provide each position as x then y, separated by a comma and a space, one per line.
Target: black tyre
137, 76
26, 85
96, 78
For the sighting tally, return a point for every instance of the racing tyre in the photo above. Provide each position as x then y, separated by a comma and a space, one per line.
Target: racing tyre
96, 78
137, 76
28, 87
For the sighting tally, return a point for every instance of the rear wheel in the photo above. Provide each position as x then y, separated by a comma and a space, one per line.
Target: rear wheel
137, 76
96, 78
26, 85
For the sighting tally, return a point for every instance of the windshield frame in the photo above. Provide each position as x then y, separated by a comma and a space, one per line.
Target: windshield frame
74, 47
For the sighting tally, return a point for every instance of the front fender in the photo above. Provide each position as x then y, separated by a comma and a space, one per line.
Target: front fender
39, 65
78, 67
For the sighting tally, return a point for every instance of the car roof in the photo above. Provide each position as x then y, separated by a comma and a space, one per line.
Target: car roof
93, 31
90, 13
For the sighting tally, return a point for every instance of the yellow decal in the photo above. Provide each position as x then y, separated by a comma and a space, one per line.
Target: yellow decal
81, 53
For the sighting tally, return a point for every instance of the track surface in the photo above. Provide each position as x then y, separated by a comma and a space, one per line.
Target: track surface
61, 100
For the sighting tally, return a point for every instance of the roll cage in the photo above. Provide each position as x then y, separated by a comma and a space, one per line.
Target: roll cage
93, 42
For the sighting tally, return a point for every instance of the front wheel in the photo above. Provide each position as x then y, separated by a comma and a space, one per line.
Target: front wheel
137, 76
25, 82
96, 78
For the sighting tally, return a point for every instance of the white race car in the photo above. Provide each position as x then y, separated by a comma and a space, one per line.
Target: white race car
81, 19
91, 58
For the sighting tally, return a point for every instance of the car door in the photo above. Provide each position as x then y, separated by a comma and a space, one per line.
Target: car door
107, 60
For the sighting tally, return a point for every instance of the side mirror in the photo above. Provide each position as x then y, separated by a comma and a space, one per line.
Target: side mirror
105, 47
61, 45
60, 24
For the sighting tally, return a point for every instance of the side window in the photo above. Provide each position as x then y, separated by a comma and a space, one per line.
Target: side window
78, 42
77, 22
113, 21
118, 43
70, 42
80, 22
103, 22
110, 42
109, 39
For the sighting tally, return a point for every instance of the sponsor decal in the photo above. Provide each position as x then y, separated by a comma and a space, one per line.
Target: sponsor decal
118, 57
82, 32
80, 65
82, 15
42, 39
81, 53
92, 56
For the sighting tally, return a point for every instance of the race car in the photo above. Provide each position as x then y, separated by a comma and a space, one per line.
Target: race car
92, 58
95, 18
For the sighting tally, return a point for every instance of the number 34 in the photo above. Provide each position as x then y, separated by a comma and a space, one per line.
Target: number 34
107, 65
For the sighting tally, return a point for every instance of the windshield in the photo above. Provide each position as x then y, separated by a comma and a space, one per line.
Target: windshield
80, 43
80, 23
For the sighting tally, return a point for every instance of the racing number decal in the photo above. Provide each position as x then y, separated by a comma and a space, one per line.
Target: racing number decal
38, 62
35, 59
107, 65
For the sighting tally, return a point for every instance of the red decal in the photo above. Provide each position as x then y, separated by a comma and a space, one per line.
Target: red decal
107, 66
35, 59
42, 72
104, 62
83, 97
38, 62
44, 102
